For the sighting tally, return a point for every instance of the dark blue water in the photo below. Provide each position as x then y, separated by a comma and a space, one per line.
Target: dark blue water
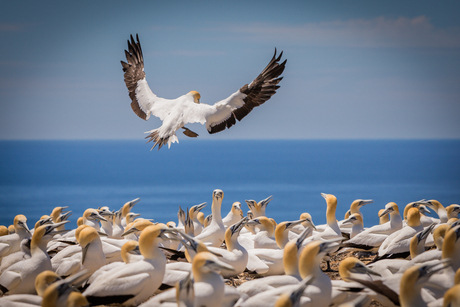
36, 176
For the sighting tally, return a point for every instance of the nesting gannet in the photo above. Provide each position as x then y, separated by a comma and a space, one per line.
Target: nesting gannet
332, 230
117, 227
374, 236
298, 229
126, 208
20, 277
355, 207
107, 225
282, 231
134, 282
411, 284
214, 234
91, 257
292, 299
349, 267
356, 220
388, 267
265, 238
399, 241
383, 218
63, 293
193, 212
438, 208
453, 211
129, 253
42, 281
208, 285
11, 259
318, 293
3, 230
234, 215
234, 255
11, 243
291, 268
178, 112
258, 208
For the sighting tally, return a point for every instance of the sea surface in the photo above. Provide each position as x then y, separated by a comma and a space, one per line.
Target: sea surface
36, 176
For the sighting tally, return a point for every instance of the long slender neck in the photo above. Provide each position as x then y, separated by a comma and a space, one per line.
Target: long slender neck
331, 219
395, 220
290, 260
281, 236
216, 211
410, 295
355, 229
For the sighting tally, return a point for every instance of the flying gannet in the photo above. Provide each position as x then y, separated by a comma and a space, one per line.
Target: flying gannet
176, 113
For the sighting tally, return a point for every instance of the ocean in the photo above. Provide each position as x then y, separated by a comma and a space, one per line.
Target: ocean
36, 176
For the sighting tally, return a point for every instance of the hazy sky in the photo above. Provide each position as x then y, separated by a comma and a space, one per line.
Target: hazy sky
356, 69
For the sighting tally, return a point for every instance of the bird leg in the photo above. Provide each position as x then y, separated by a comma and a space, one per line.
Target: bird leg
189, 132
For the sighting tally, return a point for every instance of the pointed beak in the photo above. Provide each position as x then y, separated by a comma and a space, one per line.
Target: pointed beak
328, 246
365, 202
424, 210
386, 211
253, 222
129, 231
324, 195
294, 223
84, 251
238, 226
51, 227
265, 201
24, 225
361, 269
133, 202
199, 207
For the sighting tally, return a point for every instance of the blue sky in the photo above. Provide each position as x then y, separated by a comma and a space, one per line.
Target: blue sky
355, 70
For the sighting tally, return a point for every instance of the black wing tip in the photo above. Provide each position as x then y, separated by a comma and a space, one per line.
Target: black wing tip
106, 300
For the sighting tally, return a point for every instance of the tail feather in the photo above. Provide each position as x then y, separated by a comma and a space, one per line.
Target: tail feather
154, 136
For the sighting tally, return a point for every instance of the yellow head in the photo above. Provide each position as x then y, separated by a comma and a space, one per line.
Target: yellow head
196, 96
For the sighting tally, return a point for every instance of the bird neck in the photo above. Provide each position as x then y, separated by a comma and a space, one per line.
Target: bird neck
216, 211
409, 294
281, 236
290, 260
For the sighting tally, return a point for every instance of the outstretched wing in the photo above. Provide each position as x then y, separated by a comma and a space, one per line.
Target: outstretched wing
143, 101
225, 112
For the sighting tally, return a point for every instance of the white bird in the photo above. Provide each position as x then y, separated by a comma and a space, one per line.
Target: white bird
90, 258
349, 267
129, 253
186, 109
208, 285
399, 241
291, 269
11, 243
258, 208
214, 234
234, 255
438, 208
374, 236
20, 277
193, 213
234, 215
126, 209
318, 293
356, 220
42, 281
134, 282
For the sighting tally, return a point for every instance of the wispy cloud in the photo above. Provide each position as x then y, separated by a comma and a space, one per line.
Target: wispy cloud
377, 32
